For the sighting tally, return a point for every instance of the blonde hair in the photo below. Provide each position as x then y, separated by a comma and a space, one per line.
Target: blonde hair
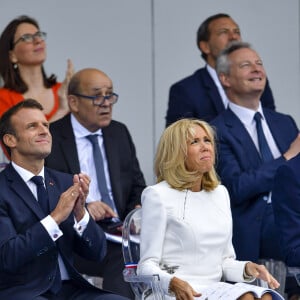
172, 152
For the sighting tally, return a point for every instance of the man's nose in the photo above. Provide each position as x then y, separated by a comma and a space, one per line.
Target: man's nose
234, 36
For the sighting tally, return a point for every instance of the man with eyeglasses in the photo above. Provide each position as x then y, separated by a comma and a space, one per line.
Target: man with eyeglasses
90, 99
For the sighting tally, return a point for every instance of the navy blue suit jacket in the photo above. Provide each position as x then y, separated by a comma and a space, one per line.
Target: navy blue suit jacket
286, 204
247, 179
127, 180
197, 96
28, 255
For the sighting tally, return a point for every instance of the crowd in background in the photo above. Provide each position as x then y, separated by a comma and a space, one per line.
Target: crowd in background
254, 147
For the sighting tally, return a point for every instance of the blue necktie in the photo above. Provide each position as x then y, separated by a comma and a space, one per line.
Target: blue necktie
264, 148
101, 180
43, 200
41, 193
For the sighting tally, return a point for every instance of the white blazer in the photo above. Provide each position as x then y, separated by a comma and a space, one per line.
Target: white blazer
188, 235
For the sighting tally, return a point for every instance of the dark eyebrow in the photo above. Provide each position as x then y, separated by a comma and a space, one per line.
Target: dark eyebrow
99, 89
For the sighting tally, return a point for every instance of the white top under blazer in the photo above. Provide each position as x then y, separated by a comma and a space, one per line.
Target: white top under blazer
188, 235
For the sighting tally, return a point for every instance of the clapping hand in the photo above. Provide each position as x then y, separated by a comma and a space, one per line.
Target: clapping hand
62, 92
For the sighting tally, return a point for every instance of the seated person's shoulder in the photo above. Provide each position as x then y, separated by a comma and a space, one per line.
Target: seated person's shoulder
188, 80
116, 127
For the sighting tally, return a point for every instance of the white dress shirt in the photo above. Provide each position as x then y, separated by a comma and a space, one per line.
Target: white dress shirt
246, 116
212, 72
86, 159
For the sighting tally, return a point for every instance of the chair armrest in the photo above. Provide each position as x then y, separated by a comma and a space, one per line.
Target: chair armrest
144, 284
295, 272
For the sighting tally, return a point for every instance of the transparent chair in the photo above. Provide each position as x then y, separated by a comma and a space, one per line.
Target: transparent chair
142, 286
279, 270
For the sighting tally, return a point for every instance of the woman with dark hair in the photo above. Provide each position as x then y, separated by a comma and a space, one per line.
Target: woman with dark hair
23, 52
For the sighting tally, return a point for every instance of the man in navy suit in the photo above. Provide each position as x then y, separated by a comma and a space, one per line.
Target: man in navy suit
36, 245
91, 99
240, 165
286, 205
201, 95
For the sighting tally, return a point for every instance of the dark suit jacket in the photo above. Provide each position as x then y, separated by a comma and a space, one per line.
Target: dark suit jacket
28, 256
246, 177
197, 96
286, 204
127, 180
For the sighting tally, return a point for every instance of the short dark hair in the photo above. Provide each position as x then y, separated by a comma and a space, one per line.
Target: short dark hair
10, 75
5, 121
203, 33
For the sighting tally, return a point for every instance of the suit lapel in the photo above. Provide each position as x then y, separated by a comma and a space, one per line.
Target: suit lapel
113, 157
240, 134
53, 192
278, 131
21, 189
212, 91
68, 145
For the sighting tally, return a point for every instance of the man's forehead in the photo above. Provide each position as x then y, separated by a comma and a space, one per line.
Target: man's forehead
97, 84
223, 23
29, 115
244, 54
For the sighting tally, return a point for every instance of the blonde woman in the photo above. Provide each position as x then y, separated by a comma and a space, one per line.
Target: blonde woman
186, 218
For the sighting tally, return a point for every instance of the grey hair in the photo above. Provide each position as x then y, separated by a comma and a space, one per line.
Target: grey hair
223, 62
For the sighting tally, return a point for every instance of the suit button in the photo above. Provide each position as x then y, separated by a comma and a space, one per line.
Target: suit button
50, 278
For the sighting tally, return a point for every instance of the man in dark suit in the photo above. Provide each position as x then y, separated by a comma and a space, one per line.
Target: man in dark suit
242, 165
286, 205
41, 228
201, 94
91, 97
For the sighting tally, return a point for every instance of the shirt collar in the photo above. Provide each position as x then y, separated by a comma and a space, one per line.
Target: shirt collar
25, 174
80, 131
212, 72
246, 115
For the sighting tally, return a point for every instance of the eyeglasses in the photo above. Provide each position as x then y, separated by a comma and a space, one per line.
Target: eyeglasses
99, 100
29, 38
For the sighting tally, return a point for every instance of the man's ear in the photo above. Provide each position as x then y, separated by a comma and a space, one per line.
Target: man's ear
224, 79
203, 45
10, 140
73, 103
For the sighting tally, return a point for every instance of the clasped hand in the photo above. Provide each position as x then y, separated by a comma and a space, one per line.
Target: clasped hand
72, 200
